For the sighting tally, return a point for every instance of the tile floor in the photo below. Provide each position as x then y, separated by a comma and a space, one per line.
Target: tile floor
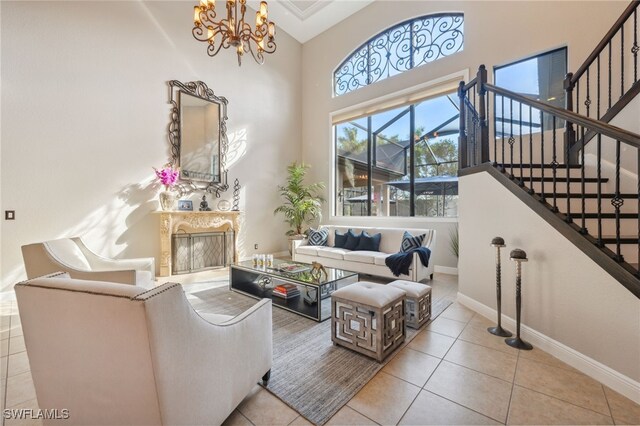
453, 372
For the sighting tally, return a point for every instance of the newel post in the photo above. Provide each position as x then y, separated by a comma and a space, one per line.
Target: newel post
463, 162
569, 132
482, 114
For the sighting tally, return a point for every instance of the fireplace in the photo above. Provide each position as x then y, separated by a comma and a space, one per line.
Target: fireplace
194, 241
201, 251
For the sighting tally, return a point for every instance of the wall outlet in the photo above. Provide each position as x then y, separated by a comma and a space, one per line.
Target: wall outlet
255, 247
9, 215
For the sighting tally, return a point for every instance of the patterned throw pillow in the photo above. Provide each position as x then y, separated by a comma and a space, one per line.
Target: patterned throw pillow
340, 240
318, 237
352, 240
409, 242
368, 242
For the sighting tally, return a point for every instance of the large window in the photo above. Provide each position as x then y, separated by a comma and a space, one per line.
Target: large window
400, 162
400, 48
539, 77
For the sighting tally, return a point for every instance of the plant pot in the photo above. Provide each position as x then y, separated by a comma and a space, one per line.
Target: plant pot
167, 200
293, 238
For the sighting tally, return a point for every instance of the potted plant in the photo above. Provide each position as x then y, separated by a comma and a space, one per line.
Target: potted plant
168, 176
302, 203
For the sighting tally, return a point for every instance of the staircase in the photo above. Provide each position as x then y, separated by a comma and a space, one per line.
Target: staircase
581, 173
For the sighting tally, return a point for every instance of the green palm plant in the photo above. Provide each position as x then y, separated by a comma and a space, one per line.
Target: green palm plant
302, 203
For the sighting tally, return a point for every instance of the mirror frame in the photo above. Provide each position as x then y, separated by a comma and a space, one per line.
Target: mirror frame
200, 90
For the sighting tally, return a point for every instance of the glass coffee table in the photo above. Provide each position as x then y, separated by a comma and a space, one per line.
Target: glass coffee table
308, 291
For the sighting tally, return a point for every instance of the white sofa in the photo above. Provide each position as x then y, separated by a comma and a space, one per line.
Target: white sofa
367, 262
115, 354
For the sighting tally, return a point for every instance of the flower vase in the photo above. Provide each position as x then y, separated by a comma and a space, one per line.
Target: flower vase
168, 200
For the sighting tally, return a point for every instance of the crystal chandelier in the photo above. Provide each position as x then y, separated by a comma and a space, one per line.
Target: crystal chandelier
234, 31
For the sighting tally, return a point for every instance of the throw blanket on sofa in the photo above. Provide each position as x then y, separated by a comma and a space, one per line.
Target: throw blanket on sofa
399, 263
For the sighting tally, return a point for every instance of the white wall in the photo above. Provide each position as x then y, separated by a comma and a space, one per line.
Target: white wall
85, 102
566, 296
525, 28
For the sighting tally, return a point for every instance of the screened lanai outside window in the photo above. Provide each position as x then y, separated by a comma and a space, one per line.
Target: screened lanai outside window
400, 48
382, 171
539, 77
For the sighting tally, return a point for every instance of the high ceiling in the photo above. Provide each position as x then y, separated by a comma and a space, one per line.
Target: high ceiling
305, 19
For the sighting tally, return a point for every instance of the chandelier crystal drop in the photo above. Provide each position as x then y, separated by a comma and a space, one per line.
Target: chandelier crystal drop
234, 31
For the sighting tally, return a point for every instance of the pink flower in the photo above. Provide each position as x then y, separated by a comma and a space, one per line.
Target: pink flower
168, 175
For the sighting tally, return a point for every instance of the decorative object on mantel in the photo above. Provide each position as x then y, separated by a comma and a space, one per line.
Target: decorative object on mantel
201, 157
518, 256
498, 243
168, 176
185, 205
236, 195
224, 205
302, 203
204, 206
234, 31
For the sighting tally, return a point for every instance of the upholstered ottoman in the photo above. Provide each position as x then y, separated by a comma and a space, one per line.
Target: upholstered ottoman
368, 318
417, 302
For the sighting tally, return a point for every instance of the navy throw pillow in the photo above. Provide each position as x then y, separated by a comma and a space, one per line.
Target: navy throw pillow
340, 240
368, 242
409, 242
318, 237
352, 240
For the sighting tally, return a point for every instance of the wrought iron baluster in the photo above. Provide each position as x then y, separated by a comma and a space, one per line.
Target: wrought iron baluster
502, 133
583, 228
495, 134
621, 61
473, 98
578, 97
511, 138
635, 47
554, 165
531, 190
610, 53
521, 180
638, 168
598, 89
567, 155
542, 198
599, 176
587, 101
617, 203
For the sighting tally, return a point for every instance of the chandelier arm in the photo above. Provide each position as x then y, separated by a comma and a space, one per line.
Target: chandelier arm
258, 57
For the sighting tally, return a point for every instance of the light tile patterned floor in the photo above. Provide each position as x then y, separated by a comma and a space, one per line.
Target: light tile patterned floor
453, 372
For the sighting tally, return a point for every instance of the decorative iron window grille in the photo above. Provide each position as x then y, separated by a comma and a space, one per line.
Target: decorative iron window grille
400, 48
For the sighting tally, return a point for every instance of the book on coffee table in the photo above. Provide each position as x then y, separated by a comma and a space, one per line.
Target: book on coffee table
286, 291
293, 267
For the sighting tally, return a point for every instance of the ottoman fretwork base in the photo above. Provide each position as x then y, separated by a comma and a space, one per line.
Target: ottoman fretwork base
418, 302
368, 326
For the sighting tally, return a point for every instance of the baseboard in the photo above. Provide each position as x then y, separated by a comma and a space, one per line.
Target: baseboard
592, 368
445, 270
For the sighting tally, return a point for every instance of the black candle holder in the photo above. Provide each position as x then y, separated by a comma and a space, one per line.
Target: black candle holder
498, 243
518, 256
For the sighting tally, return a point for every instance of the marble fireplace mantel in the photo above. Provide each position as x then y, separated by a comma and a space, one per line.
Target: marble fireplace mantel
197, 221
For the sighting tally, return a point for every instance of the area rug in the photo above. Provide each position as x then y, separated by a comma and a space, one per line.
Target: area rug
309, 374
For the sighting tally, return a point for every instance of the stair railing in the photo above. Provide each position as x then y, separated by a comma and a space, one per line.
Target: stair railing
525, 138
608, 79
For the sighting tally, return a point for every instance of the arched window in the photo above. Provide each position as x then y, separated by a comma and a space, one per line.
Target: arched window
400, 48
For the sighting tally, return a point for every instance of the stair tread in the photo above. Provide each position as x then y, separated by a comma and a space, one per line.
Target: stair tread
605, 215
561, 179
624, 239
539, 166
595, 195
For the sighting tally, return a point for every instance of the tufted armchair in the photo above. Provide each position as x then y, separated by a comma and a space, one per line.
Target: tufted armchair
72, 255
122, 355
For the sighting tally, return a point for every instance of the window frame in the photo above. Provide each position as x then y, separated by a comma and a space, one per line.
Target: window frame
387, 31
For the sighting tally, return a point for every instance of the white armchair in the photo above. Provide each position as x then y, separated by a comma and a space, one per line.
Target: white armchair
117, 354
72, 255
